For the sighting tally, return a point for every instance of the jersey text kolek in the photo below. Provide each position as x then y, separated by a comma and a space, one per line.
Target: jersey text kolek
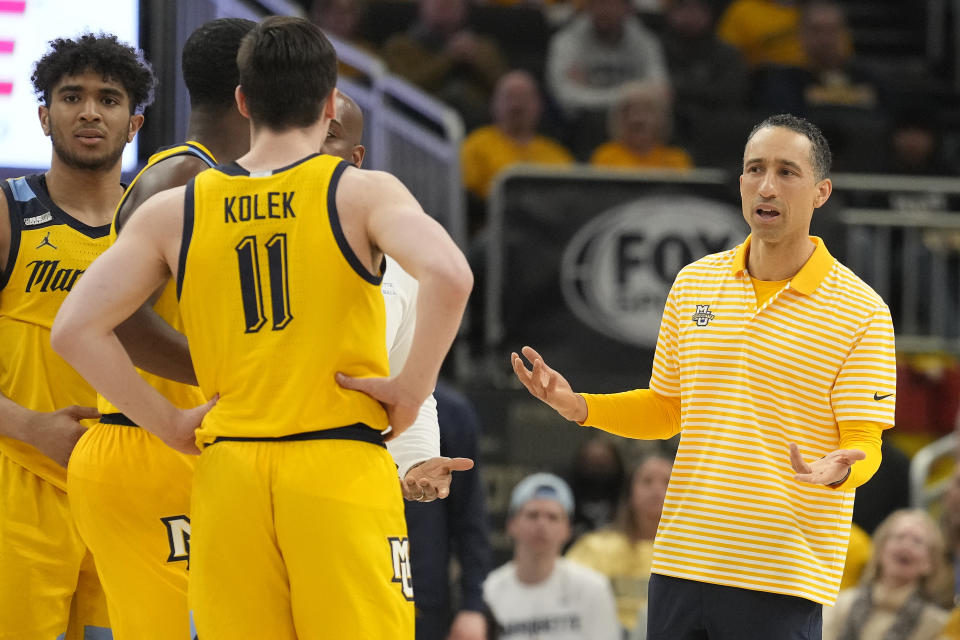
275, 205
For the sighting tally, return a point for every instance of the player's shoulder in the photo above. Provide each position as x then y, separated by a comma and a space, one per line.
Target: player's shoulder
170, 173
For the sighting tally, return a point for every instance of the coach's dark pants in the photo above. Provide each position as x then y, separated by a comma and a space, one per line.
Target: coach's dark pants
689, 610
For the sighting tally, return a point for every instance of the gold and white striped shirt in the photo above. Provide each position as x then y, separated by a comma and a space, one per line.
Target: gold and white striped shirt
750, 380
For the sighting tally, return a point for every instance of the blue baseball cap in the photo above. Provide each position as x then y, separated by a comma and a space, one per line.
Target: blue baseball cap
541, 485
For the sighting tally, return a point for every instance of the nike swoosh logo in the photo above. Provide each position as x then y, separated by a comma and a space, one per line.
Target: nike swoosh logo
878, 397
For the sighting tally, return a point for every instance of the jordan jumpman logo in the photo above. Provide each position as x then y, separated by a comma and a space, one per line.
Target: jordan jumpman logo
46, 242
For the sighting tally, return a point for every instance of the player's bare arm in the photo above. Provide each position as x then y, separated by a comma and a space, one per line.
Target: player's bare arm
152, 343
548, 385
143, 257
380, 215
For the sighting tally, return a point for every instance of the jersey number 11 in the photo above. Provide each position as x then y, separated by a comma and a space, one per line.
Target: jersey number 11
250, 287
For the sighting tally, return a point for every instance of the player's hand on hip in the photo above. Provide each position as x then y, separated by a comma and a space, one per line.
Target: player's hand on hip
183, 436
430, 479
402, 405
830, 469
548, 385
56, 433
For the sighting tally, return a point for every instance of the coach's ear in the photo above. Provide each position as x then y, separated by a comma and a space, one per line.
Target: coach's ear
241, 102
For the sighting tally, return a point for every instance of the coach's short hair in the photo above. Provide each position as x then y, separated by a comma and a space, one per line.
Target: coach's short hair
209, 61
820, 156
287, 69
101, 53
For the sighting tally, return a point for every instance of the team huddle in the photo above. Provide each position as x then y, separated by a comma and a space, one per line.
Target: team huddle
241, 271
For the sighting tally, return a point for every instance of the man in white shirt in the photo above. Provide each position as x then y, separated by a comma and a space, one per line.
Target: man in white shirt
425, 474
539, 594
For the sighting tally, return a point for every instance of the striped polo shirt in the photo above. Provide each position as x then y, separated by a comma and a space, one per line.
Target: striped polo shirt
751, 380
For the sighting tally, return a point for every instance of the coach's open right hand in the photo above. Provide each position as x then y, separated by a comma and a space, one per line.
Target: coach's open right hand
548, 385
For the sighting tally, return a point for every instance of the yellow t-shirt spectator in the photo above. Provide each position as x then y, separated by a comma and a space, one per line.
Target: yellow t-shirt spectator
858, 554
616, 154
765, 32
625, 562
487, 151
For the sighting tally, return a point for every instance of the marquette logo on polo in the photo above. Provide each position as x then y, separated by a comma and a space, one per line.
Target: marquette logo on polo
617, 270
703, 316
400, 551
48, 275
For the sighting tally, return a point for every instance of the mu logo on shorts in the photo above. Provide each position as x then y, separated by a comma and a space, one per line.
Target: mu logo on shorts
703, 316
400, 551
178, 535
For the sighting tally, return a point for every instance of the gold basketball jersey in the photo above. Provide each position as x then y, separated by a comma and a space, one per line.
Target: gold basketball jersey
275, 302
49, 251
166, 306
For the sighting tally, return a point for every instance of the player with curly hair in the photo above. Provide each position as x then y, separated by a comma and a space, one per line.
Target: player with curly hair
52, 225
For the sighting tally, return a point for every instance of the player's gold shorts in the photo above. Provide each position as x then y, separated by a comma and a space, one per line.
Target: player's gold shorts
130, 497
48, 582
299, 540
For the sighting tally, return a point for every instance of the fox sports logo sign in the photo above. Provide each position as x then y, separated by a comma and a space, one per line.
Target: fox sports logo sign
617, 270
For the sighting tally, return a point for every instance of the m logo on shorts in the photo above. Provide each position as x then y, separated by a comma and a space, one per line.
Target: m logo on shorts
178, 535
400, 550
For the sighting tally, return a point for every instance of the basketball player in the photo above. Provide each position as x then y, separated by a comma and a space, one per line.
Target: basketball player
129, 492
297, 523
52, 226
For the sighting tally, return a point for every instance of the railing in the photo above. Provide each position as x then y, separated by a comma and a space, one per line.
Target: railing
923, 493
909, 252
411, 135
408, 133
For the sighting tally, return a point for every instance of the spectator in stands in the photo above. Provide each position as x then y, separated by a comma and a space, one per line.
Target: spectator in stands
342, 19
830, 78
539, 593
441, 55
597, 477
888, 489
914, 146
705, 73
765, 31
512, 138
452, 528
624, 551
589, 60
901, 588
640, 124
928, 396
339, 18
859, 551
950, 525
